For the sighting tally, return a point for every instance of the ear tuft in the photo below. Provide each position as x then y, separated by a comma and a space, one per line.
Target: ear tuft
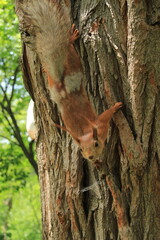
95, 134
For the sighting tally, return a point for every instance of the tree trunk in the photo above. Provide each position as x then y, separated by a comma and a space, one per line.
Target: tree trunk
119, 50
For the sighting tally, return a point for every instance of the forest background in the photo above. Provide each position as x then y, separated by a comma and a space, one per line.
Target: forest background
20, 216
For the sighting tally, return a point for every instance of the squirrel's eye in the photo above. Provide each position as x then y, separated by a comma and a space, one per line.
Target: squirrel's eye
96, 144
90, 157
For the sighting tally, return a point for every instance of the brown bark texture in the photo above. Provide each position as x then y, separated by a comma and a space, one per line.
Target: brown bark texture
119, 47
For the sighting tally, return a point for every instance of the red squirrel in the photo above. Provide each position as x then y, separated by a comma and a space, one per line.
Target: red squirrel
61, 62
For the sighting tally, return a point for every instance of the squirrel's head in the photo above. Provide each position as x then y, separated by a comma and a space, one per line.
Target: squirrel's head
91, 146
92, 151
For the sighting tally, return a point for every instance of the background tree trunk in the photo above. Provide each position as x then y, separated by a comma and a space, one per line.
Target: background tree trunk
119, 49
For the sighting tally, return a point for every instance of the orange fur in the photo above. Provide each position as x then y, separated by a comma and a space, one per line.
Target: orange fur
65, 77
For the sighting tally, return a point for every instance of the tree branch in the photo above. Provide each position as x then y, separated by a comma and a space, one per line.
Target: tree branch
13, 123
14, 81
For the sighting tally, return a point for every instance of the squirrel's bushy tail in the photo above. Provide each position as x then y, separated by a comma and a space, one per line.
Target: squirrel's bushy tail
52, 23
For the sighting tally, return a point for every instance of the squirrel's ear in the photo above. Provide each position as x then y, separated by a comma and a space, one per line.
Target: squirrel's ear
95, 134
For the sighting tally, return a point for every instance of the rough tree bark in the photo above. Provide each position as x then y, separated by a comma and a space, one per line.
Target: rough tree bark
119, 49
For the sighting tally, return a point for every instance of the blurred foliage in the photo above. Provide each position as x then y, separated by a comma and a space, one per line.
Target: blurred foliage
20, 212
14, 169
19, 188
10, 51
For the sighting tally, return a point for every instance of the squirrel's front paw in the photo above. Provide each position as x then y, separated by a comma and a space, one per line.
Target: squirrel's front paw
74, 33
